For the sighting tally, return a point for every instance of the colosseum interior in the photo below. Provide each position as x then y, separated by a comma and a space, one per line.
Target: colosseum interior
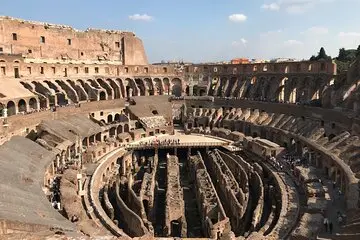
98, 144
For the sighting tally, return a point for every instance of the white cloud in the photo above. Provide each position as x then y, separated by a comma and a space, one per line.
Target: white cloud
349, 34
317, 30
293, 6
271, 7
293, 42
242, 42
141, 17
238, 17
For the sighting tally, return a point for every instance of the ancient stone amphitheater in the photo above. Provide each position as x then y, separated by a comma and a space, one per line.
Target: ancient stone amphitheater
98, 144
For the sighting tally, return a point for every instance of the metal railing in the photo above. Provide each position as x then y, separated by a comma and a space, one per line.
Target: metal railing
176, 145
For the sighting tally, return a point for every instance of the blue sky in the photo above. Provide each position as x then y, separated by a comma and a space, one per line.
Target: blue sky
210, 30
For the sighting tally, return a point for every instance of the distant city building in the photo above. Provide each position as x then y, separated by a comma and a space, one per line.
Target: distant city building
277, 60
258, 61
240, 61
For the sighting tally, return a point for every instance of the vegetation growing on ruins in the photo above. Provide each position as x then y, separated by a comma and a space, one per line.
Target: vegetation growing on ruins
321, 55
343, 60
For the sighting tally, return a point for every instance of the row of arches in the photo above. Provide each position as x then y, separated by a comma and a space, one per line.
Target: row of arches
282, 89
62, 92
20, 106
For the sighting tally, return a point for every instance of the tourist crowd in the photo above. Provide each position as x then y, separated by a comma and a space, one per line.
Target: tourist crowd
157, 142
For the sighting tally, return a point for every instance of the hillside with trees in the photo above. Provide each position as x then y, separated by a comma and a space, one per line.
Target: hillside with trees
343, 60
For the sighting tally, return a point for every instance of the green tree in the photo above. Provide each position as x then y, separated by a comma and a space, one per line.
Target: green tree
322, 54
358, 51
342, 54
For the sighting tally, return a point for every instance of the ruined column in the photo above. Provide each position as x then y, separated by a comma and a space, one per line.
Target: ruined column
53, 167
79, 177
57, 161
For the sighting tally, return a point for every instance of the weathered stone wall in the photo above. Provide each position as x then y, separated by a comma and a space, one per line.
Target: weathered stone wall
214, 219
134, 225
48, 41
175, 209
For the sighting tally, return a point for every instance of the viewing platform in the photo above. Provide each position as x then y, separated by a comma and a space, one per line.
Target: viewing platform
177, 141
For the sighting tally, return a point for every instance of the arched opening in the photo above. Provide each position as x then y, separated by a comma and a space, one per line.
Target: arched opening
316, 95
98, 137
112, 132
141, 86
177, 87
115, 88
43, 103
175, 228
158, 86
166, 86
126, 128
253, 80
119, 129
1, 110
102, 96
122, 87
61, 99
117, 117
202, 92
292, 98
187, 91
287, 69
33, 104
149, 86
11, 109
129, 91
109, 118
22, 105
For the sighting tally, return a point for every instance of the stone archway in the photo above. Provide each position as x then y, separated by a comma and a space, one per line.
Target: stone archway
141, 85
21, 105
176, 88
102, 96
158, 86
11, 108
166, 84
126, 128
119, 129
109, 118
33, 104
117, 117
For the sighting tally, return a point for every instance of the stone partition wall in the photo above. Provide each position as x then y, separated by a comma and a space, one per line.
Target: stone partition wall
228, 189
134, 226
97, 182
214, 220
109, 209
175, 209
